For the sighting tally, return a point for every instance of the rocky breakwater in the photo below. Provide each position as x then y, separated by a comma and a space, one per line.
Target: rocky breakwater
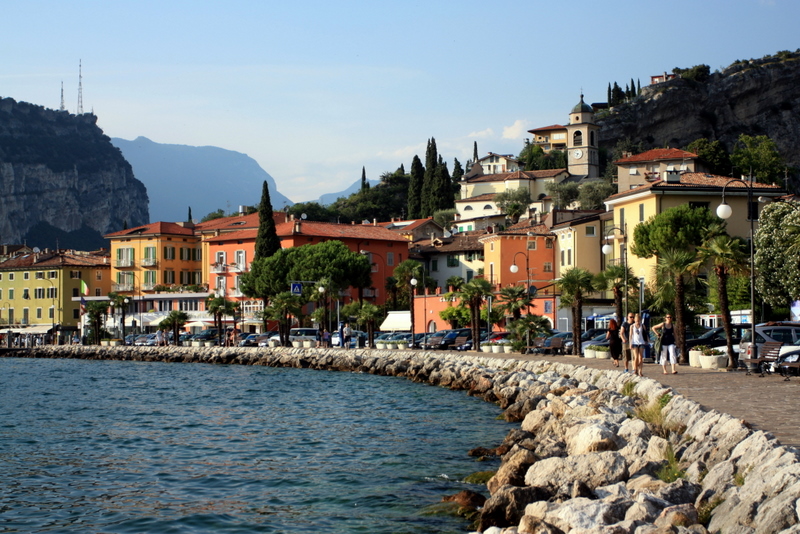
596, 451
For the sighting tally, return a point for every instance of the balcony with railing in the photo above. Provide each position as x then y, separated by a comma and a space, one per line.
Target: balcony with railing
237, 267
124, 262
219, 268
149, 262
236, 292
117, 288
148, 286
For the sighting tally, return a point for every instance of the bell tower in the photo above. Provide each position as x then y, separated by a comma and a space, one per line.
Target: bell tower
582, 155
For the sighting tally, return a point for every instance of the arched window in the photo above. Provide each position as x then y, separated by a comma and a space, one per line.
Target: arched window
487, 207
592, 141
467, 208
577, 139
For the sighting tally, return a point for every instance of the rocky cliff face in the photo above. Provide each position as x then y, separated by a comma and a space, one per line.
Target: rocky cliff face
61, 178
756, 97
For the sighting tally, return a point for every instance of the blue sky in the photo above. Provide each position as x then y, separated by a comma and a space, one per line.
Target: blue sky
314, 90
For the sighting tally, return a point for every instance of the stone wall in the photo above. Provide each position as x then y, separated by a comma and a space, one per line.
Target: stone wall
592, 447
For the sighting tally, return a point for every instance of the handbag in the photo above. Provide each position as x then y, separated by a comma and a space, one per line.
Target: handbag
657, 345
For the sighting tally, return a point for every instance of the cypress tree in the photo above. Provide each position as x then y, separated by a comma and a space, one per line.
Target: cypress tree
444, 187
189, 216
475, 152
429, 189
458, 173
608, 98
267, 242
633, 90
638, 86
415, 189
364, 183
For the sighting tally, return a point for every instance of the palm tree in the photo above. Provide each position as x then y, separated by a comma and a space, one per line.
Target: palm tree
615, 278
574, 284
726, 254
527, 327
281, 308
369, 315
454, 283
391, 289
404, 272
175, 321
676, 265
514, 300
473, 293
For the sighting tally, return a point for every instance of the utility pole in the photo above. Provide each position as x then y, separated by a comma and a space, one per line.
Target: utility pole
80, 89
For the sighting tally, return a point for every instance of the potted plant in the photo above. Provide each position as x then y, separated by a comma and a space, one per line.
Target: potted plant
309, 343
115, 342
487, 347
497, 347
391, 344
695, 353
402, 344
274, 343
105, 342
508, 347
589, 351
380, 345
712, 359
602, 352
297, 343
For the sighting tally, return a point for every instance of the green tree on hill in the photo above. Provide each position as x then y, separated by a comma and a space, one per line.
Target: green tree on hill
415, 186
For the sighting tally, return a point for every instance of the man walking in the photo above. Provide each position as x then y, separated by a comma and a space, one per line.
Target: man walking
625, 333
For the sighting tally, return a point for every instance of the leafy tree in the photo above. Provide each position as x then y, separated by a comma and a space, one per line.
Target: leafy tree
174, 321
454, 283
404, 272
675, 264
698, 73
457, 316
445, 218
267, 242
615, 278
574, 285
189, 216
681, 227
97, 310
314, 211
727, 257
514, 203
758, 156
214, 215
564, 193
712, 154
219, 307
514, 299
364, 182
391, 290
592, 194
527, 327
415, 185
777, 266
472, 294
443, 187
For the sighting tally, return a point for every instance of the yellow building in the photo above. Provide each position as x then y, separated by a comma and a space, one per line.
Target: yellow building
639, 169
578, 241
635, 206
36, 289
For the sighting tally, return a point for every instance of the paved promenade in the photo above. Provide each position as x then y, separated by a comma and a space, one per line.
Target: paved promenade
768, 403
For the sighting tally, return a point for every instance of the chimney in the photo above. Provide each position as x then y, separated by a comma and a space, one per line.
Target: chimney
297, 227
374, 222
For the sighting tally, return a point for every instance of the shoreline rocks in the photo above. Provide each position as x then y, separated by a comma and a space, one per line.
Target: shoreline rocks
596, 451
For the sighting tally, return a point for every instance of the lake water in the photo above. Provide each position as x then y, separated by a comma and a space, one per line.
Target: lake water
132, 447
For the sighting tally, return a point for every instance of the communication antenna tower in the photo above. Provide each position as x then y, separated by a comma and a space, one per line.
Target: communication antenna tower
62, 95
80, 89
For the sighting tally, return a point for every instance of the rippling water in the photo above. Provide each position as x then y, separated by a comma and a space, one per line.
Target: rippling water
131, 447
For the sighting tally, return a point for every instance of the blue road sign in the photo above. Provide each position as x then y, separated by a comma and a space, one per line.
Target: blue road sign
296, 288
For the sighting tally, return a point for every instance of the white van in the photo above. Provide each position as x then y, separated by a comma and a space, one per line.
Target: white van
299, 334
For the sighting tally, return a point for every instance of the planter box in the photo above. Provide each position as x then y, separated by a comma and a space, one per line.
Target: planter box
391, 346
380, 346
508, 348
402, 346
694, 358
589, 353
486, 348
115, 343
198, 343
309, 343
211, 343
274, 343
496, 349
713, 362
297, 344
602, 354
105, 342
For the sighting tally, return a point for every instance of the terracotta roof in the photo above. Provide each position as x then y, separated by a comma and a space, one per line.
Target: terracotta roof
579, 220
547, 128
52, 260
506, 156
657, 154
523, 227
478, 198
517, 175
697, 181
464, 241
154, 228
225, 223
239, 235
404, 226
338, 231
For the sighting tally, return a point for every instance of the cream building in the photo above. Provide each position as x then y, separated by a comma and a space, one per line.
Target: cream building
639, 169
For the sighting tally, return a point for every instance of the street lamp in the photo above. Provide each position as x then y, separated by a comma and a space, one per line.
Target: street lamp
7, 309
321, 290
608, 249
413, 283
125, 302
724, 211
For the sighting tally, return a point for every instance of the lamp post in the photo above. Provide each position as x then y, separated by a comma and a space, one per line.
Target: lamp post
7, 308
608, 249
53, 318
125, 302
413, 283
724, 211
321, 290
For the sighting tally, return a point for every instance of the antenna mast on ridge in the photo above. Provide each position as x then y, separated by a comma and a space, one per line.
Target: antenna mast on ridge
80, 89
62, 95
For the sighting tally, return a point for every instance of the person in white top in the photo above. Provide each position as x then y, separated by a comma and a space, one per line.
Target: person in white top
638, 342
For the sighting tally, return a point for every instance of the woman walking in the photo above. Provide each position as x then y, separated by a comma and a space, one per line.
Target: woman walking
666, 331
614, 342
637, 337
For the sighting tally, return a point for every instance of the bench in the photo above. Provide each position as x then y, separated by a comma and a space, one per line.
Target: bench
537, 347
768, 353
556, 345
460, 340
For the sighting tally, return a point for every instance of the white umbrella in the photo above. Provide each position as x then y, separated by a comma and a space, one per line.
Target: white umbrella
198, 324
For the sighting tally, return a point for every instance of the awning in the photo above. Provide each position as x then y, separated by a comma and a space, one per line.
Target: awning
199, 324
397, 320
38, 329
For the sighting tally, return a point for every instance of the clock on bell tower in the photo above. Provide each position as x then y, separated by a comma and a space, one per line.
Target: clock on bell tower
582, 157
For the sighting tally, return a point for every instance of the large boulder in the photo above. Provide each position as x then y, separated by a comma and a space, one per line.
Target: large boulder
557, 475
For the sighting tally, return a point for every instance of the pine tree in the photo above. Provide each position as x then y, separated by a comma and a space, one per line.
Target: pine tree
415, 189
267, 242
429, 189
189, 217
458, 173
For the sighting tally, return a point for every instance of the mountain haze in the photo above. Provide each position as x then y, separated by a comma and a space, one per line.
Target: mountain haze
204, 178
329, 198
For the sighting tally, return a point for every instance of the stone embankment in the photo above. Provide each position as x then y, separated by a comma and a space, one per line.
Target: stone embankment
597, 451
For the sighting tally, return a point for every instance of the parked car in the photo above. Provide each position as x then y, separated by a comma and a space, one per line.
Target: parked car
357, 339
716, 336
600, 340
145, 340
250, 341
299, 334
566, 336
447, 341
785, 332
792, 356
434, 339
208, 334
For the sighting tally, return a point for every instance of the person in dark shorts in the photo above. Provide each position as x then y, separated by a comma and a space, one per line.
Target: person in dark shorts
626, 340
614, 342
